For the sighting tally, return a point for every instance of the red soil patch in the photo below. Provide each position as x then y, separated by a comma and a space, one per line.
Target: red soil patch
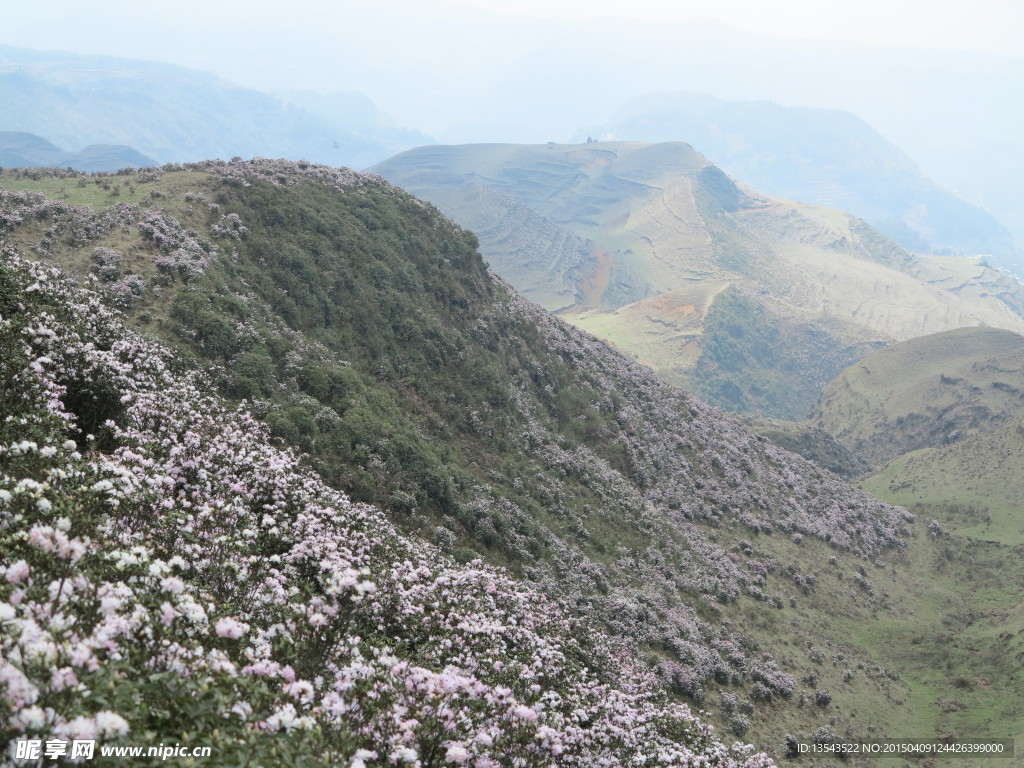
669, 305
596, 284
591, 158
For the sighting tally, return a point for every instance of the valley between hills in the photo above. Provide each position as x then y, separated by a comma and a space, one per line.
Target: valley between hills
426, 425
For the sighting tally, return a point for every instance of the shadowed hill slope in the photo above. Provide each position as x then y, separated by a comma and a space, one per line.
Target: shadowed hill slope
753, 302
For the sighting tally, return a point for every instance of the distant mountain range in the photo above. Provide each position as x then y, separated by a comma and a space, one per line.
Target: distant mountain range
753, 302
464, 74
173, 114
20, 150
953, 111
821, 156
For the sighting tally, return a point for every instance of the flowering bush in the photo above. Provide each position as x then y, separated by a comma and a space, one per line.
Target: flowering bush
182, 251
164, 570
229, 225
74, 225
106, 264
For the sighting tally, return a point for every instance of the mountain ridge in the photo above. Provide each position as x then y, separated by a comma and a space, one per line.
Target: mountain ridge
659, 234
19, 149
77, 100
820, 156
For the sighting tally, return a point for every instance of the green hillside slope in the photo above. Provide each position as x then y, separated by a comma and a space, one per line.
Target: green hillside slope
365, 329
941, 419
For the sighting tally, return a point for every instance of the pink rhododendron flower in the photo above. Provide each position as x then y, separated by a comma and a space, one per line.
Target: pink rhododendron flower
457, 754
230, 628
17, 572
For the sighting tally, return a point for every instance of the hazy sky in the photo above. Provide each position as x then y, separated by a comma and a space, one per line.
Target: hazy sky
410, 56
995, 26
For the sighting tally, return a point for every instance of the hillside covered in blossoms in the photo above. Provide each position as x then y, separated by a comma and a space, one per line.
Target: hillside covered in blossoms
313, 562
175, 574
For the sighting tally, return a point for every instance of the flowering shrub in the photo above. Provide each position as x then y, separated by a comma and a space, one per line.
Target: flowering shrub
182, 251
127, 291
230, 225
74, 225
170, 572
106, 264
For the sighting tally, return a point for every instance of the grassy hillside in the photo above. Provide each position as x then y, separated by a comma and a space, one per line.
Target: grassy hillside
365, 329
941, 420
752, 302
